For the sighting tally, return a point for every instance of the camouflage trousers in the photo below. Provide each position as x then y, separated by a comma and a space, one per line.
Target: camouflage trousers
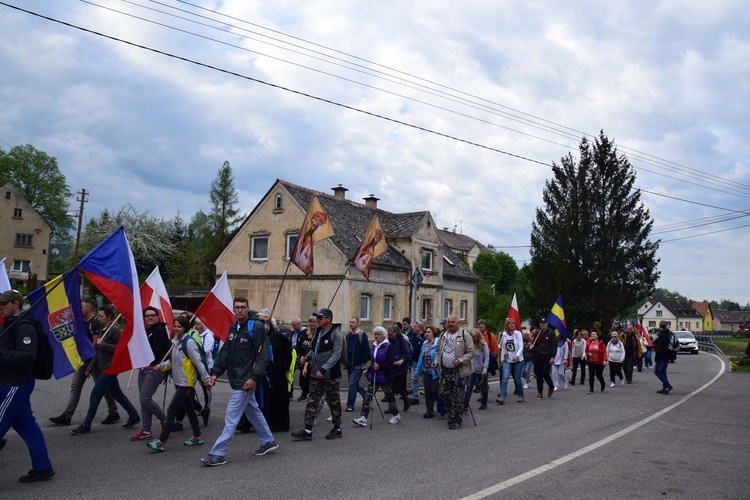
452, 393
318, 390
387, 391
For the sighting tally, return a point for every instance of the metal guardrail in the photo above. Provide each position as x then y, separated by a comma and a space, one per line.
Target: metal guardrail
706, 343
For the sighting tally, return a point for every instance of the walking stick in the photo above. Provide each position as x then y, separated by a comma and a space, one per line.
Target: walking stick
471, 412
164, 403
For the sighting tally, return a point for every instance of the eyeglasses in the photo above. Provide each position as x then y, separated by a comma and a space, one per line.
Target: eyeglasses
240, 307
150, 315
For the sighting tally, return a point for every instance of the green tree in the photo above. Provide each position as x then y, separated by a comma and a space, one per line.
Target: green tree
499, 270
224, 216
590, 240
39, 179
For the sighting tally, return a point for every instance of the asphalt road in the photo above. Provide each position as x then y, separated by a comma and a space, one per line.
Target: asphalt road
625, 442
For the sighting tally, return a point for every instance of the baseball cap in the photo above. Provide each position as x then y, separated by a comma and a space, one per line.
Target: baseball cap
324, 312
10, 295
542, 320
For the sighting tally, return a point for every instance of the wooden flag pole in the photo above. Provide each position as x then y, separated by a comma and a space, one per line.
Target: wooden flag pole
110, 326
340, 282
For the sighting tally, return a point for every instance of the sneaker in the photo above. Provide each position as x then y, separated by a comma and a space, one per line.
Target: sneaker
61, 420
156, 445
111, 419
81, 429
622, 381
349, 409
214, 460
194, 441
589, 392
521, 399
539, 396
361, 421
268, 447
525, 386
565, 387
428, 414
131, 422
141, 435
330, 419
454, 425
612, 384
37, 475
303, 435
335, 433
555, 388
395, 419
421, 393
500, 400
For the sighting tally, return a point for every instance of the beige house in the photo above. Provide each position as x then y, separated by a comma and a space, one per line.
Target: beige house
678, 315
25, 241
258, 257
462, 244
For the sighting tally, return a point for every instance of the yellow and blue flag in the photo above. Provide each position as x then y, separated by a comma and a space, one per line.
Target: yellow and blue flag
57, 306
556, 319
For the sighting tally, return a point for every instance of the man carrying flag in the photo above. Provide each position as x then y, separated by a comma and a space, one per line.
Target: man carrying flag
315, 227
373, 244
18, 348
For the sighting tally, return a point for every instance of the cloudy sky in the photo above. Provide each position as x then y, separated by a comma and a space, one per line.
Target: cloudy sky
313, 93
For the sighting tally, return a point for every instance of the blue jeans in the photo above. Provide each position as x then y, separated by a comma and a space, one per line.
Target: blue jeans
480, 381
516, 368
415, 387
647, 356
107, 383
661, 373
15, 403
527, 364
354, 387
241, 402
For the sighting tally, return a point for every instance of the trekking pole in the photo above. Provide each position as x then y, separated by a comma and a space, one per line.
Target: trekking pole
471, 412
164, 403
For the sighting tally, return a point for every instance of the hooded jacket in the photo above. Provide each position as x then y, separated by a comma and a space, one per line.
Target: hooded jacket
240, 352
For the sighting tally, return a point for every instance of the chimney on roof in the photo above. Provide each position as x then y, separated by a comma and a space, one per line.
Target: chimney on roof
339, 192
371, 201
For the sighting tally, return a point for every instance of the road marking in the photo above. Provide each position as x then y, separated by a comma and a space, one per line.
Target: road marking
572, 456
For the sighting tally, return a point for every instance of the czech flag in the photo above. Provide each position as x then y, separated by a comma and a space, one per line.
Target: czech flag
111, 268
58, 309
556, 318
217, 310
154, 293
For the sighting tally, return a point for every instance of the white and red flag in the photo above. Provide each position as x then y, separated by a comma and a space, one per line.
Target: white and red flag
154, 294
217, 310
315, 227
644, 332
514, 314
373, 244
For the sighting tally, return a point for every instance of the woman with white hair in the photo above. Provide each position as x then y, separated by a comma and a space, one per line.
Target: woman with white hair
379, 374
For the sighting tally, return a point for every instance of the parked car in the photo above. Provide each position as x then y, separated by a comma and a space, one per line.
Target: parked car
687, 341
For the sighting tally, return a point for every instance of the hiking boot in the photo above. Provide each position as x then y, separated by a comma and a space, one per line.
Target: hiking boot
194, 441
156, 445
214, 460
205, 412
395, 419
131, 422
335, 433
140, 435
266, 448
361, 421
111, 419
61, 420
303, 435
81, 429
539, 396
37, 475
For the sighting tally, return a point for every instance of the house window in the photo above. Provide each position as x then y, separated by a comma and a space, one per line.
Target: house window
652, 324
259, 248
21, 266
7, 195
23, 240
277, 204
426, 307
364, 307
447, 308
17, 213
291, 240
387, 308
462, 310
658, 314
427, 260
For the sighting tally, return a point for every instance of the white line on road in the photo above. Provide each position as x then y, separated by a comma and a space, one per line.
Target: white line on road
572, 456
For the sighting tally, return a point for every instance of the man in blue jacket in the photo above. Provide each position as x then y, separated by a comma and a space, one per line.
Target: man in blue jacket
357, 355
18, 347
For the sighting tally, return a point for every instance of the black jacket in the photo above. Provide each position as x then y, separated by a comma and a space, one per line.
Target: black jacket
661, 346
158, 339
18, 345
240, 352
546, 346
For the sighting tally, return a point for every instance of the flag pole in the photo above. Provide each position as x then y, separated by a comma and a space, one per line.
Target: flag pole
47, 292
340, 282
110, 326
289, 263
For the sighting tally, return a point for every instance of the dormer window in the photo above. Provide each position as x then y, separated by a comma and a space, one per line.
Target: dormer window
277, 204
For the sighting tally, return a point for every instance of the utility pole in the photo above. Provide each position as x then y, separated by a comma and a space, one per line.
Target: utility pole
83, 200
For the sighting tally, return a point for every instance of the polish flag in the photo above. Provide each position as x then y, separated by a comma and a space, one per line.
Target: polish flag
4, 281
513, 312
644, 332
154, 294
217, 310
